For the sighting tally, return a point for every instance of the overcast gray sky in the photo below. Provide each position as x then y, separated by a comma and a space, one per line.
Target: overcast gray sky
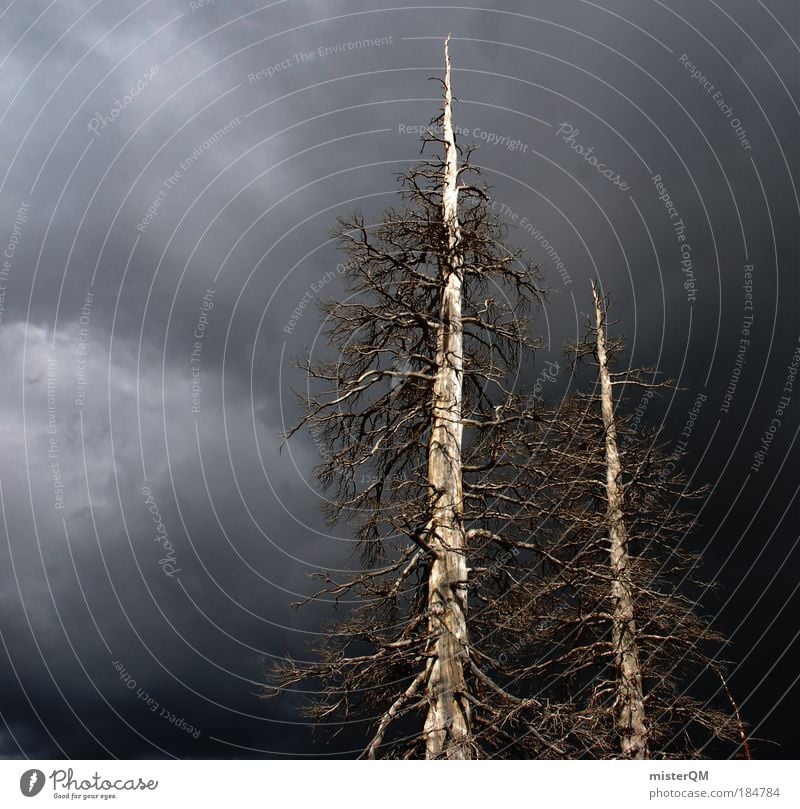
169, 175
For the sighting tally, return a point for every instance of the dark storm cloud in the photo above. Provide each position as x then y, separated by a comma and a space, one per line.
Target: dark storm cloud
195, 214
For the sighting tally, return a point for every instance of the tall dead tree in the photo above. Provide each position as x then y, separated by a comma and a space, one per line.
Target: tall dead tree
416, 415
447, 725
630, 699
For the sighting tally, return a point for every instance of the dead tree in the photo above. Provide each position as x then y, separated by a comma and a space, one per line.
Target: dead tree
415, 413
621, 635
447, 724
630, 699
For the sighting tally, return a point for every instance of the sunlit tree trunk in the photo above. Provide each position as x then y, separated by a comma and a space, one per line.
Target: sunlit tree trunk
447, 724
630, 699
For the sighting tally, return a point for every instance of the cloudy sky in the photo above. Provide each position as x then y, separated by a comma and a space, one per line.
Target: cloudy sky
169, 175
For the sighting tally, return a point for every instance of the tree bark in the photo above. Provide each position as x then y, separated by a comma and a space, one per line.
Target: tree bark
631, 721
447, 723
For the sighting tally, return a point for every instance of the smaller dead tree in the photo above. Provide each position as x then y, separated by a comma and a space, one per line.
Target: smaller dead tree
630, 699
622, 637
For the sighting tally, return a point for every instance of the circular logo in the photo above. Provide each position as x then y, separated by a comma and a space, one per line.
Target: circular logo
31, 782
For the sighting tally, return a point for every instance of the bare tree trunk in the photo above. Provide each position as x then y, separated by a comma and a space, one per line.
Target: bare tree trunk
630, 700
447, 724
